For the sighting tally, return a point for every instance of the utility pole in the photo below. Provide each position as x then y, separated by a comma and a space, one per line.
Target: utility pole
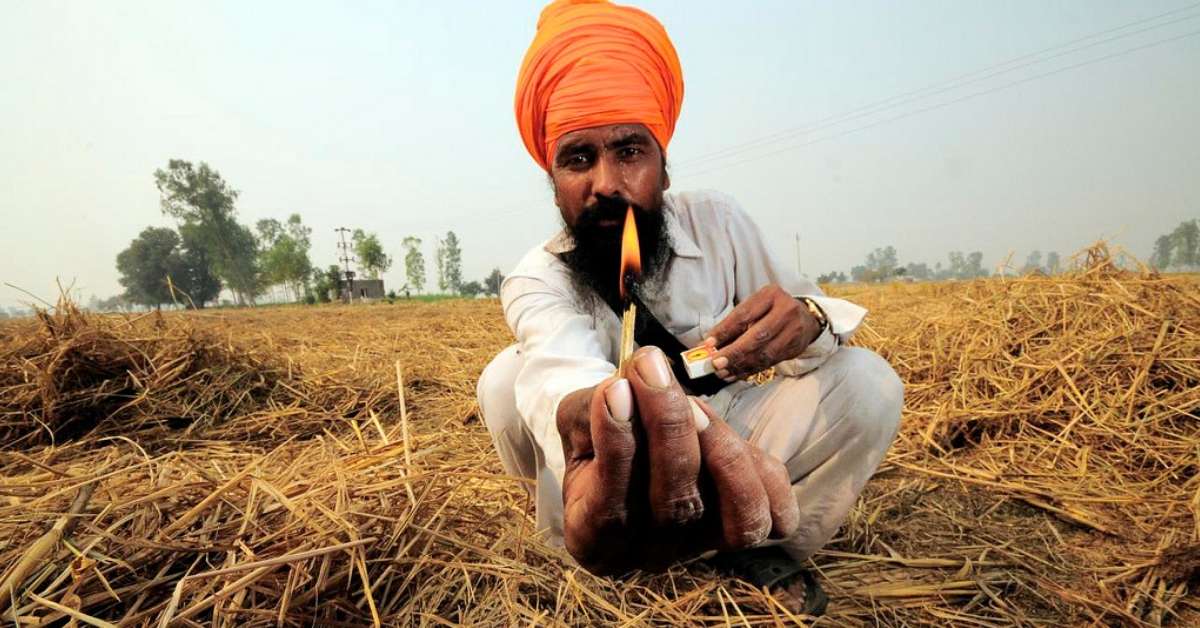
348, 293
798, 253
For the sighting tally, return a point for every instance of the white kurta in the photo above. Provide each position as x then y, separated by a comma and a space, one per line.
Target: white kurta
718, 259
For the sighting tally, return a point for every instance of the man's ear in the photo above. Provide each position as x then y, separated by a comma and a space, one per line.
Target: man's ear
666, 177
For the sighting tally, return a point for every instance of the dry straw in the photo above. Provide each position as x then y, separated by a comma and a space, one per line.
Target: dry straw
325, 466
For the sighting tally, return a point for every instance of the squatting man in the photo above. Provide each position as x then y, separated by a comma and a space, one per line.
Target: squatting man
640, 471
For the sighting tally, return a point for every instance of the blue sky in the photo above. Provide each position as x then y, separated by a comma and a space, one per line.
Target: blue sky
396, 117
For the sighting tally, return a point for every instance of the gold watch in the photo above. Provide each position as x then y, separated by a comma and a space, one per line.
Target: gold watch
817, 312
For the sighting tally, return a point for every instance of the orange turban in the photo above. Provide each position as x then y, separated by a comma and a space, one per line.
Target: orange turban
594, 63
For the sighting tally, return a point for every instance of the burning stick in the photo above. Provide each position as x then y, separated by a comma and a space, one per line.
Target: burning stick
631, 271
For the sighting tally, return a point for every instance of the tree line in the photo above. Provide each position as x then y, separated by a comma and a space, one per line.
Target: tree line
15, 312
211, 250
1177, 251
882, 264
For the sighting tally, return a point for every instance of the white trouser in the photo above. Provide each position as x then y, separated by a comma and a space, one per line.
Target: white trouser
830, 428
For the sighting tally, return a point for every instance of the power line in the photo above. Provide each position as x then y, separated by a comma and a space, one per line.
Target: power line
949, 102
936, 88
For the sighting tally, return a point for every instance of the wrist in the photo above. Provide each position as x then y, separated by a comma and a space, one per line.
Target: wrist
816, 314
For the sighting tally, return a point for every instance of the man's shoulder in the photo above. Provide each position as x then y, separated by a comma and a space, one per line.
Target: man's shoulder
701, 210
707, 200
538, 270
538, 261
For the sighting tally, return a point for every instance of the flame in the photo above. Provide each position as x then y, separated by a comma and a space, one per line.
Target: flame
631, 255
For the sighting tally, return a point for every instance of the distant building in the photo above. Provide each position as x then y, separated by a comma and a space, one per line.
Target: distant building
360, 290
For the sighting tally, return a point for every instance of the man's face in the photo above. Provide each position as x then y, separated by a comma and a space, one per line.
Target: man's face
597, 173
615, 161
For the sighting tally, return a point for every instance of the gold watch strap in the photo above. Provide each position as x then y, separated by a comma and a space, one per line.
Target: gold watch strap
817, 312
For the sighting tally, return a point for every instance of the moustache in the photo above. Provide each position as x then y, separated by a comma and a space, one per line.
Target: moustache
607, 209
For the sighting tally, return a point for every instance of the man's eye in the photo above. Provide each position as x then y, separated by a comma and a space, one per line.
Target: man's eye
630, 152
577, 161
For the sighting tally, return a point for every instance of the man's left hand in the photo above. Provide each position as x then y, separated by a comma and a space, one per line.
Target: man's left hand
760, 332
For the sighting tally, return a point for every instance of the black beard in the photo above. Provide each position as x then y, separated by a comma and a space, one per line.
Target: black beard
595, 260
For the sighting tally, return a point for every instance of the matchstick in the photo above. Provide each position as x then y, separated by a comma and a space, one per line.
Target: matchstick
627, 322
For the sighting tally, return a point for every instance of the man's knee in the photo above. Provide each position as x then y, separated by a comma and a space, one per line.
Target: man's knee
496, 392
498, 405
873, 393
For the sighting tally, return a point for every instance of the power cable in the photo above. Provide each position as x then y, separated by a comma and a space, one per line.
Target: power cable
925, 92
948, 102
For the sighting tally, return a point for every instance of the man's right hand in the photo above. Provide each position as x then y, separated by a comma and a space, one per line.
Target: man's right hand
653, 476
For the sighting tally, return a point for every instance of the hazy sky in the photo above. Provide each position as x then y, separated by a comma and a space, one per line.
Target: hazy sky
930, 126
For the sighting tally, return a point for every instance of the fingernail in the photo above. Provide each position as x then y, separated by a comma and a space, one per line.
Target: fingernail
652, 366
698, 415
619, 400
710, 341
720, 362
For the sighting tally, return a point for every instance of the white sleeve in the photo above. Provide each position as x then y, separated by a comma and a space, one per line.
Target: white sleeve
563, 351
756, 266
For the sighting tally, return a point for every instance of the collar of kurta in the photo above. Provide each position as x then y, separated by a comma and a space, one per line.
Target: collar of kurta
682, 244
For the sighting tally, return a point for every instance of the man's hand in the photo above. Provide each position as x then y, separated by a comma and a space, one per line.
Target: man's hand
653, 476
762, 331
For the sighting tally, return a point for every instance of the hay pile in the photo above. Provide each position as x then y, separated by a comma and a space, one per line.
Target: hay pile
1078, 398
156, 381
325, 466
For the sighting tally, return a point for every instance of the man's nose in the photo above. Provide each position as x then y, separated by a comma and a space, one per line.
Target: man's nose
607, 178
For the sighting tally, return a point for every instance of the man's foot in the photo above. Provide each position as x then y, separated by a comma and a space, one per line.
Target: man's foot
785, 579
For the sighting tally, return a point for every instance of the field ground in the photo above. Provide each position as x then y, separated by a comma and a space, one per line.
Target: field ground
264, 468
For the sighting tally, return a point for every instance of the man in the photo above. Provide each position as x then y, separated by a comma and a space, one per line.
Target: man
640, 471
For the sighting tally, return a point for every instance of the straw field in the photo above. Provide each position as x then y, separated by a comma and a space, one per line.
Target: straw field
327, 467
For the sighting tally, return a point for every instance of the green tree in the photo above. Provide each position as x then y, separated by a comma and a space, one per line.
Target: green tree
832, 277
449, 257
1164, 250
975, 265
440, 260
372, 261
204, 205
1052, 262
471, 289
492, 282
967, 266
414, 263
270, 266
1185, 240
146, 265
269, 231
326, 282
918, 271
881, 264
195, 276
284, 254
160, 267
957, 266
1033, 262
300, 233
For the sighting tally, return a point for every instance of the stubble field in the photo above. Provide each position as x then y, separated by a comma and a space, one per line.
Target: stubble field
327, 467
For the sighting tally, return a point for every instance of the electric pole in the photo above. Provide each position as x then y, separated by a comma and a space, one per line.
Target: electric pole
345, 258
798, 253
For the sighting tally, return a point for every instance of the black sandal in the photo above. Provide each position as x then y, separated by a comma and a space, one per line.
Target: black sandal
773, 568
